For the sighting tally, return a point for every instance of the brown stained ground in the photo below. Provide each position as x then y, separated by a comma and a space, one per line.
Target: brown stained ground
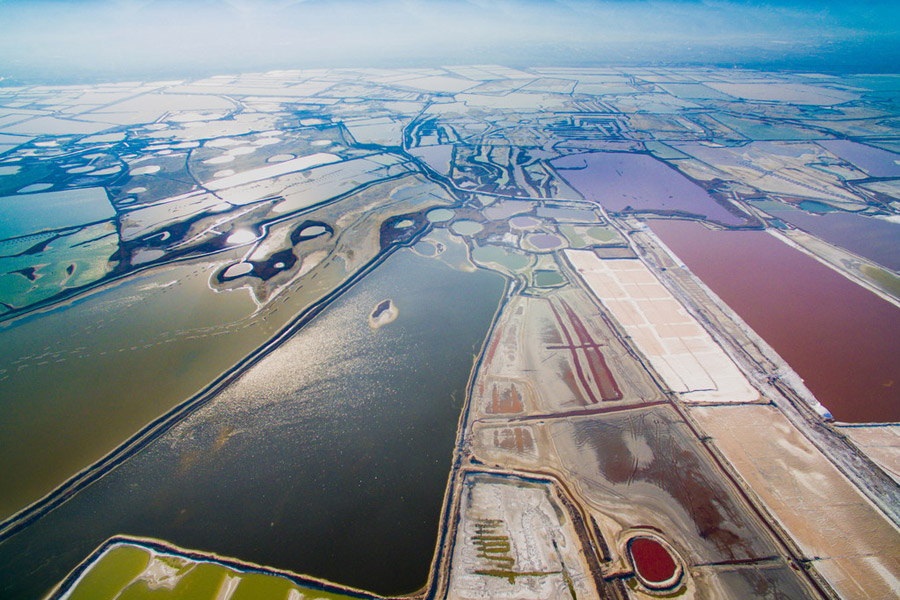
514, 439
505, 399
776, 580
631, 462
550, 334
500, 444
575, 359
496, 444
586, 354
620, 509
855, 548
495, 341
649, 459
555, 354
567, 375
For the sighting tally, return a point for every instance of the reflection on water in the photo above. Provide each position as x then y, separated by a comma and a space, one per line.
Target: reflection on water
841, 338
108, 363
329, 457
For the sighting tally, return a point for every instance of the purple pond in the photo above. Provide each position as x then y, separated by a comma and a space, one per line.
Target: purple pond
545, 241
617, 180
875, 239
874, 161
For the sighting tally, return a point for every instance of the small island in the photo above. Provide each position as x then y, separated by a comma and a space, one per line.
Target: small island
384, 312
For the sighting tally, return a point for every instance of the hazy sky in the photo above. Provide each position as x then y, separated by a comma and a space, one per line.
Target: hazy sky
116, 38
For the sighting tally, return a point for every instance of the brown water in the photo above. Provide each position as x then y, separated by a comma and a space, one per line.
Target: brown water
839, 337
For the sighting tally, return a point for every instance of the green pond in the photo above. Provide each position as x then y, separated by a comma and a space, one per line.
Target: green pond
496, 254
548, 278
440, 215
466, 227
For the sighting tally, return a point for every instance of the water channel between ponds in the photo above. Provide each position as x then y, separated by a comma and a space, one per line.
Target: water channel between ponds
330, 457
839, 337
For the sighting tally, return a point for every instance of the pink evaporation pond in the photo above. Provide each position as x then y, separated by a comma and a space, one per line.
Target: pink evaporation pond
838, 336
620, 180
652, 561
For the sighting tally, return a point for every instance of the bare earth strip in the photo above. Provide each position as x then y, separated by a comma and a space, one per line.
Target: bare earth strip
881, 443
850, 542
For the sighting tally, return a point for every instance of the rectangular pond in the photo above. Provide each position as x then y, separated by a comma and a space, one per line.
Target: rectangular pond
839, 337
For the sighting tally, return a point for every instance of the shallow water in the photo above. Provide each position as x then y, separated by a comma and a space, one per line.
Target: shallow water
329, 457
108, 363
545, 241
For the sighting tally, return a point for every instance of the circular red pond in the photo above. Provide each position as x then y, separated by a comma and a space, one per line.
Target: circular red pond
652, 561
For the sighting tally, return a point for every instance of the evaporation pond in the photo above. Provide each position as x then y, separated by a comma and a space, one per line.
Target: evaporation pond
545, 241
548, 278
501, 256
874, 161
31, 213
870, 237
466, 227
840, 338
440, 215
651, 559
329, 457
618, 180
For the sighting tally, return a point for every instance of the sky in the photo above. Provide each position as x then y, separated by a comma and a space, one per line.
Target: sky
64, 40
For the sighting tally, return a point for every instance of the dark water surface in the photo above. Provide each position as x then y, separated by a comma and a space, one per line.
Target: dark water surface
838, 336
330, 457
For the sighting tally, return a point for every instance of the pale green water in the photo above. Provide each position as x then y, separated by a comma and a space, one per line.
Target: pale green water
108, 364
122, 572
440, 215
466, 227
496, 254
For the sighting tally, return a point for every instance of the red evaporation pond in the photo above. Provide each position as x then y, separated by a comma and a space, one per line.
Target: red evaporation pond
838, 336
652, 561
